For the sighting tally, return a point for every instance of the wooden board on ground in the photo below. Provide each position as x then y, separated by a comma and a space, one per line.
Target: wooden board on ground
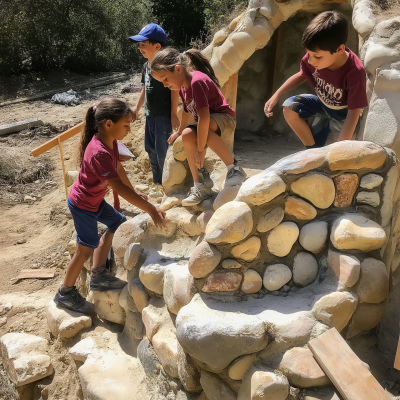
397, 360
346, 371
35, 274
20, 125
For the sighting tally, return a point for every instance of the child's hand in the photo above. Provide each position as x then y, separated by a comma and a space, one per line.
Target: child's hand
269, 105
175, 122
158, 217
142, 195
173, 137
199, 158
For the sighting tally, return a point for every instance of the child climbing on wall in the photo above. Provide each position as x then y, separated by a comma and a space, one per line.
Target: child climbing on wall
106, 123
160, 104
336, 74
193, 76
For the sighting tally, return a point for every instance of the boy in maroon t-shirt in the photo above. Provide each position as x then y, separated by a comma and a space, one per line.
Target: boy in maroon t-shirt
337, 76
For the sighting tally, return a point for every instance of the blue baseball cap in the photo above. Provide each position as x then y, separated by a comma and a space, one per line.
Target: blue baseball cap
151, 31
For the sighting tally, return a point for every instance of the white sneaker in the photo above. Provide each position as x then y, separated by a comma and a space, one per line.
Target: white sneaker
197, 195
235, 176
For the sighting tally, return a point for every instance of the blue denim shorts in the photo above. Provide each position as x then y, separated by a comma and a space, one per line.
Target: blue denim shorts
309, 105
86, 222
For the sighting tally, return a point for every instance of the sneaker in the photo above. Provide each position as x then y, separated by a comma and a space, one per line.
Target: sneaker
235, 176
205, 178
197, 195
104, 281
74, 301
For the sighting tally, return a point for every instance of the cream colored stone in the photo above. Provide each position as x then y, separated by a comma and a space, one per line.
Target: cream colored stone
132, 255
179, 149
222, 282
282, 238
203, 219
225, 196
107, 306
71, 177
276, 276
151, 274
335, 309
165, 346
83, 349
353, 154
370, 198
174, 172
346, 186
299, 208
305, 269
215, 388
240, 366
317, 188
357, 232
155, 317
371, 181
389, 188
231, 223
313, 236
247, 250
261, 188
252, 282
270, 220
173, 200
230, 264
126, 301
346, 267
300, 367
139, 294
301, 162
204, 259
373, 286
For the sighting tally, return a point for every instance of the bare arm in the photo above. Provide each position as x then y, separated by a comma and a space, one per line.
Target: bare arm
139, 104
184, 123
174, 109
349, 125
123, 176
291, 83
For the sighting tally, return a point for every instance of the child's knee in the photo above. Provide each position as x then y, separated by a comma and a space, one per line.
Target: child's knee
84, 251
189, 135
288, 113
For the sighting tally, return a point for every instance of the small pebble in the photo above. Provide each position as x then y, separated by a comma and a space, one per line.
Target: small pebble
66, 253
276, 293
35, 266
244, 298
286, 289
254, 296
21, 241
38, 181
295, 289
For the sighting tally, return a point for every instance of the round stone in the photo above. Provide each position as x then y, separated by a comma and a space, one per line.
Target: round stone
317, 188
313, 236
230, 264
222, 282
305, 269
271, 220
370, 198
282, 238
248, 250
252, 282
299, 208
225, 196
371, 181
373, 286
276, 276
204, 259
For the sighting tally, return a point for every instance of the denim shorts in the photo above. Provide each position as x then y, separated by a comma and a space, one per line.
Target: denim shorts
309, 105
86, 222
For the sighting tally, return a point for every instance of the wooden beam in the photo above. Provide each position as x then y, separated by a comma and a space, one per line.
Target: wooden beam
397, 361
346, 371
57, 139
63, 167
20, 125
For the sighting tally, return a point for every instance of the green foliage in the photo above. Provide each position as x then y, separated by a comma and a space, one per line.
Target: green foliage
181, 20
80, 35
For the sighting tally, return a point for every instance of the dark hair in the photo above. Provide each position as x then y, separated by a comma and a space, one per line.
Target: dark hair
327, 31
191, 59
108, 109
153, 42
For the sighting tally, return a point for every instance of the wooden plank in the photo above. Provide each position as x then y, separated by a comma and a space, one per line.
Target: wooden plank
54, 141
20, 125
90, 84
44, 273
346, 371
63, 167
397, 360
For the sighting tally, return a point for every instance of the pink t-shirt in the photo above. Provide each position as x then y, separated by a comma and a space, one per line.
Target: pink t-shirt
203, 92
345, 87
99, 164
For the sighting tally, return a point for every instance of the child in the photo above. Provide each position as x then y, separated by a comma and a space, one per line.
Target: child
160, 104
193, 76
337, 76
106, 123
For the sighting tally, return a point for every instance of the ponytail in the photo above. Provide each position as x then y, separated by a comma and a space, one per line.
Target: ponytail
191, 59
108, 109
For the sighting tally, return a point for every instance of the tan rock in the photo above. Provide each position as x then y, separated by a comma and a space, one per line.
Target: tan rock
305, 269
231, 264
139, 294
261, 188
335, 309
134, 327
282, 238
300, 367
247, 250
71, 177
65, 323
222, 282
252, 282
167, 230
313, 236
132, 255
240, 366
165, 346
155, 316
231, 223
203, 219
276, 276
317, 188
357, 232
301, 162
204, 259
151, 273
82, 350
107, 306
126, 301
373, 286
179, 150
346, 186
188, 373
271, 220
370, 198
215, 388
353, 154
366, 317
174, 172
71, 247
225, 196
173, 200
299, 208
346, 267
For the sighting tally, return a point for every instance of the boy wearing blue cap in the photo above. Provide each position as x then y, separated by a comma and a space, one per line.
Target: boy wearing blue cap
160, 103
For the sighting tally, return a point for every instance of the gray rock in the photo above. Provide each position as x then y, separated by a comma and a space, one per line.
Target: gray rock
215, 388
305, 269
370, 198
371, 181
148, 358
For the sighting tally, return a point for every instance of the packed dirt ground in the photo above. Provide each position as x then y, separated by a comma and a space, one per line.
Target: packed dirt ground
34, 235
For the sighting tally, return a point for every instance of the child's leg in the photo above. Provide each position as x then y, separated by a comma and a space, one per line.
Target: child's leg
75, 266
189, 140
101, 253
163, 130
299, 126
150, 147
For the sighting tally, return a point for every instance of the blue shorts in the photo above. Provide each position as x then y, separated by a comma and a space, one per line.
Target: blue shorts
309, 105
86, 222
